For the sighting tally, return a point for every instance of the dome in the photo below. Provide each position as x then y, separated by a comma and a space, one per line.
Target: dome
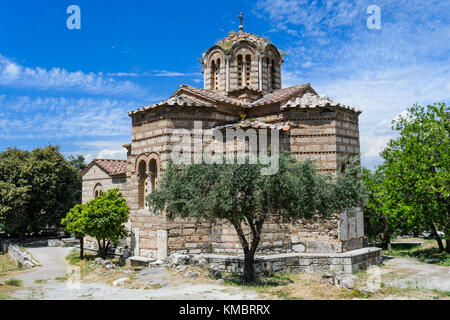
235, 37
242, 60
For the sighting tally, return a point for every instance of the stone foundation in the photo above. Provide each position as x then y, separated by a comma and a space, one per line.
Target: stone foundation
347, 262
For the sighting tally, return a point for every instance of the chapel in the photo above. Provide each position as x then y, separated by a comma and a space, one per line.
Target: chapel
242, 90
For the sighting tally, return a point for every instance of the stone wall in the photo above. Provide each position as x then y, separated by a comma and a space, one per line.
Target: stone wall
348, 262
96, 176
154, 236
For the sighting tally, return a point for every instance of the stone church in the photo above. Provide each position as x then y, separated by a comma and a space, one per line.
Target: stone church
242, 89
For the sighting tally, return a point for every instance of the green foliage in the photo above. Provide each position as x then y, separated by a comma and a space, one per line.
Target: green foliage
36, 189
242, 195
14, 282
75, 221
379, 225
102, 218
428, 255
78, 163
416, 169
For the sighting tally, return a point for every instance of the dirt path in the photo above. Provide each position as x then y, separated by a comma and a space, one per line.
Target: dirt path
405, 272
53, 264
40, 283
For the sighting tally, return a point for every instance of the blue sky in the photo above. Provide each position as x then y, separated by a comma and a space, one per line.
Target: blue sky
74, 88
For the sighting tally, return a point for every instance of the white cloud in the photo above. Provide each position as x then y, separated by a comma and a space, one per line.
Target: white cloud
165, 73
70, 117
382, 72
122, 74
16, 76
101, 149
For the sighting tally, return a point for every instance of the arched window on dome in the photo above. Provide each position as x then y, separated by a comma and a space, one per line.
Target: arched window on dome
272, 74
248, 63
269, 80
217, 75
213, 75
239, 70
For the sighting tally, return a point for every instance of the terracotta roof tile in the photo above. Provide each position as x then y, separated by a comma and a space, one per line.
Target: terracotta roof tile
181, 100
286, 97
210, 95
255, 124
309, 100
113, 167
281, 95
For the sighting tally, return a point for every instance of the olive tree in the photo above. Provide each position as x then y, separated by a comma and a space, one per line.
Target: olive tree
243, 196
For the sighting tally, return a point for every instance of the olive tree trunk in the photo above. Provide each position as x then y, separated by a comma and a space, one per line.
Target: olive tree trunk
249, 249
437, 237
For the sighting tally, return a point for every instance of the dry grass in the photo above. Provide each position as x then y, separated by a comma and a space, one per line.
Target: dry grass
7, 268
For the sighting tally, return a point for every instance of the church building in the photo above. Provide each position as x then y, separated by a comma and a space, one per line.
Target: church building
242, 89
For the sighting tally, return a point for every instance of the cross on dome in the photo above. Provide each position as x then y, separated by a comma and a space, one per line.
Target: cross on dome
241, 18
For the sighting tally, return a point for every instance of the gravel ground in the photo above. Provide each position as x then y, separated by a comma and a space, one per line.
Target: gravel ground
410, 273
54, 265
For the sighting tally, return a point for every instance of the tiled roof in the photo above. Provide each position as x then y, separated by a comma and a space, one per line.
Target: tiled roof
281, 95
235, 37
210, 95
181, 100
309, 100
302, 95
255, 124
113, 167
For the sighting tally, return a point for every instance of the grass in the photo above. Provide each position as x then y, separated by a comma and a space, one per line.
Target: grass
7, 265
63, 278
86, 265
13, 283
291, 286
40, 281
264, 282
427, 253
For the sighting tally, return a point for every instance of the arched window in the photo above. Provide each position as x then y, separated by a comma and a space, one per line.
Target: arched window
239, 70
217, 75
213, 75
153, 170
142, 184
269, 80
248, 63
98, 189
272, 74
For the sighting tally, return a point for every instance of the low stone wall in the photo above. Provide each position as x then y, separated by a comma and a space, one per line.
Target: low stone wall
347, 262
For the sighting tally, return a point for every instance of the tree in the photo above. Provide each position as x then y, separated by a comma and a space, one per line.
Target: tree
75, 222
379, 225
416, 169
241, 195
102, 218
78, 163
37, 188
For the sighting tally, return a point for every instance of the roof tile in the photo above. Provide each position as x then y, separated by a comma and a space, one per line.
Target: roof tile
113, 167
